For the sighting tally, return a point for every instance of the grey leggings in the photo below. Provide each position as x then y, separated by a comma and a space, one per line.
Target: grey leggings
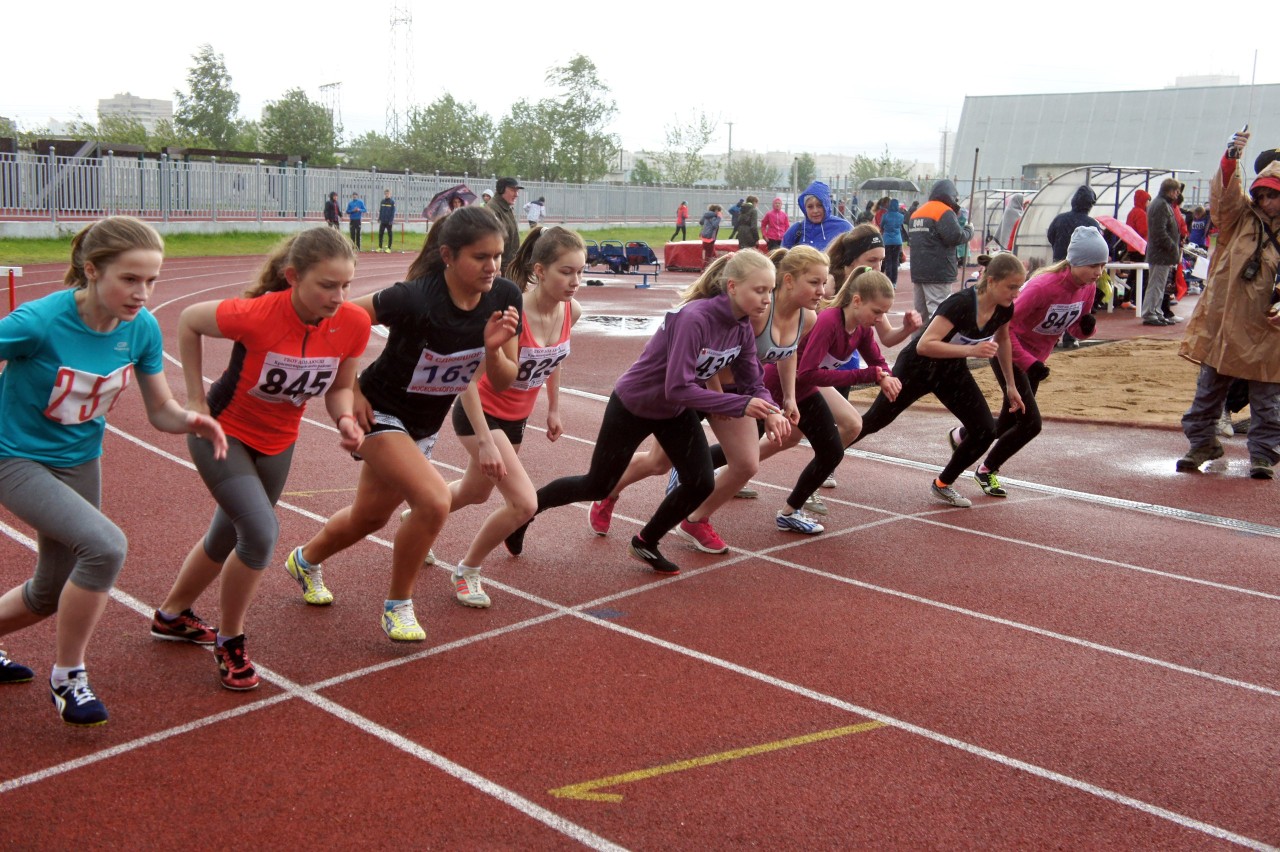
246, 485
76, 542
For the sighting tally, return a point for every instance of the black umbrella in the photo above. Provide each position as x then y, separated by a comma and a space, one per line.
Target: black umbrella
890, 183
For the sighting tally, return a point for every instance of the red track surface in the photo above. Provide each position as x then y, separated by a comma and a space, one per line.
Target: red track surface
1091, 663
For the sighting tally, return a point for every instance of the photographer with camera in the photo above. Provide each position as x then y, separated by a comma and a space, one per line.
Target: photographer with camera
1235, 329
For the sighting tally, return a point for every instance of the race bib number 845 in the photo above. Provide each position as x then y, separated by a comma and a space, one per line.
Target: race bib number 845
287, 378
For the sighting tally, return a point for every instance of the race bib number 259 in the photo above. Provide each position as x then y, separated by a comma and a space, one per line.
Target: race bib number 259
78, 397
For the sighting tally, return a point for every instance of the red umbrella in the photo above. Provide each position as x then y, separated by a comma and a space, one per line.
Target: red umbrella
1130, 237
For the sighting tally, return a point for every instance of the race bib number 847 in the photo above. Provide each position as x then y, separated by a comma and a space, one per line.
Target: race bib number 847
1058, 318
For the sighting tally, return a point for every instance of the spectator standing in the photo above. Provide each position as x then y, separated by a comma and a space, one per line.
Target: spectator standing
1163, 250
333, 212
386, 216
1232, 331
734, 210
819, 225
485, 198
749, 224
535, 210
682, 217
708, 231
774, 225
891, 233
1198, 229
502, 206
1013, 210
935, 233
355, 216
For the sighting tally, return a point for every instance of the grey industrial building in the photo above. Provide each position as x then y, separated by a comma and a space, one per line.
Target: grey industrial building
1024, 140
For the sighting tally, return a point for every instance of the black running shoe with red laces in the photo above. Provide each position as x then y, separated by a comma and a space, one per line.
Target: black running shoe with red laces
234, 666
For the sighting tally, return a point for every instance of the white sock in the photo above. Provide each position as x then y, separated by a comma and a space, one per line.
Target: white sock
462, 569
61, 674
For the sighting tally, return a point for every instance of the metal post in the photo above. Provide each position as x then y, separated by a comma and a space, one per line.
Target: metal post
213, 188
111, 182
53, 186
257, 177
164, 187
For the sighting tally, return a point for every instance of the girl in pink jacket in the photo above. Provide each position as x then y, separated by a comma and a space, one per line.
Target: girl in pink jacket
1058, 299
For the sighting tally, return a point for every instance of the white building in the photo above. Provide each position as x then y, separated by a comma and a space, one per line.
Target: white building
148, 111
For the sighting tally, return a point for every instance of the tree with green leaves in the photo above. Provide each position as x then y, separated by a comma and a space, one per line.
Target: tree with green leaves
524, 144
111, 130
580, 114
806, 169
886, 165
374, 150
207, 111
448, 136
681, 160
752, 171
299, 126
644, 174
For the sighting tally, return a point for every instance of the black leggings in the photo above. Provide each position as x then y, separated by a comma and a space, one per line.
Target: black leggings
817, 424
621, 434
385, 227
950, 380
892, 254
353, 226
1014, 430
680, 229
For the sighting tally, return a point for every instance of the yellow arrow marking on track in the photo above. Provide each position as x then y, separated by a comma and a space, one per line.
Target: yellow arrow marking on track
314, 491
586, 790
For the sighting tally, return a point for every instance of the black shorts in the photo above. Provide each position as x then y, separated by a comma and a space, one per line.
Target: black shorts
513, 429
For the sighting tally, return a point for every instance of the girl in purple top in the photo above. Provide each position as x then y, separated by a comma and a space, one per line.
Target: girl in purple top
661, 393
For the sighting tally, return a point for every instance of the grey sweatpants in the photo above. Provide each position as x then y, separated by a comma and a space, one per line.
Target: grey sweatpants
75, 540
928, 297
1200, 422
246, 485
1153, 292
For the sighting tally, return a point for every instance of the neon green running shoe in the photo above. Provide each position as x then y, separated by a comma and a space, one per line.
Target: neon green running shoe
401, 625
311, 581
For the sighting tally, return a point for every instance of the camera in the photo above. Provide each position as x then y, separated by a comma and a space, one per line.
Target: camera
1251, 270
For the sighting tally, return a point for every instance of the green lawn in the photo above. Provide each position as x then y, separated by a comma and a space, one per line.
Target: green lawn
25, 252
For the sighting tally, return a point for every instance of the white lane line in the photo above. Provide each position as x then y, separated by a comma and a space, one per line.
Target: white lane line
292, 690
483, 784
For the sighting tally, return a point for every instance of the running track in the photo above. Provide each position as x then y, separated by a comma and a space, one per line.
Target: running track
1092, 663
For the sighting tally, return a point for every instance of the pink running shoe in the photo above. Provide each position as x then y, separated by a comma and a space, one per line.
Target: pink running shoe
703, 536
601, 514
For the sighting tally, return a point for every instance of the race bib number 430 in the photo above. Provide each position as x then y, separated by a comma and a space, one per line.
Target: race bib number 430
711, 361
78, 397
444, 375
287, 378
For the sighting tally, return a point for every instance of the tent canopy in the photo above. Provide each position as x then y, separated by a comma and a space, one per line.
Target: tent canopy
1114, 186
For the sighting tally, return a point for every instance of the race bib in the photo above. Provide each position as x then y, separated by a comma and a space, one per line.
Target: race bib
444, 375
78, 397
288, 378
710, 361
537, 363
969, 341
776, 354
1058, 318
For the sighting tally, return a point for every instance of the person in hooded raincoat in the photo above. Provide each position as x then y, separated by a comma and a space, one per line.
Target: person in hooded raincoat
820, 224
935, 233
1235, 329
891, 232
1013, 210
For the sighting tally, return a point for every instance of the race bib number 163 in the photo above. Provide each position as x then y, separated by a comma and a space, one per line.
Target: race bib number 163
444, 375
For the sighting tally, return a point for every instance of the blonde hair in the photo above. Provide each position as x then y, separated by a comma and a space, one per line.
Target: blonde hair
301, 251
795, 261
865, 283
736, 267
104, 241
1006, 264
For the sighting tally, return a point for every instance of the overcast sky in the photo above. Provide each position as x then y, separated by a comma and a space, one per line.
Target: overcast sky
833, 77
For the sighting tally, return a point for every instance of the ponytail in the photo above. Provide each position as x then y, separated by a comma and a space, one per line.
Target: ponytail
301, 251
104, 241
